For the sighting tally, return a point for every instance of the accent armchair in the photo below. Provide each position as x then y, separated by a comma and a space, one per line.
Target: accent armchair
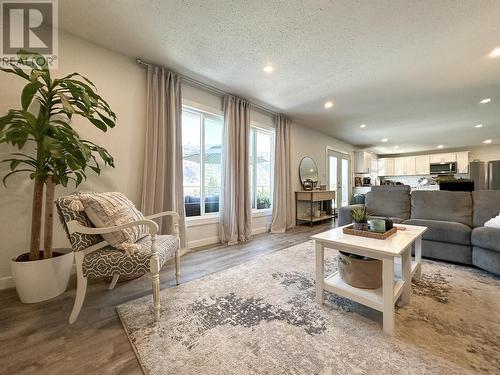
94, 257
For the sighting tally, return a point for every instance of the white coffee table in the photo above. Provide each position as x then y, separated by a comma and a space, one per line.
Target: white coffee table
398, 268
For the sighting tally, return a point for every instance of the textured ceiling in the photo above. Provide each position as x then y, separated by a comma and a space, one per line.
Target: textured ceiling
412, 71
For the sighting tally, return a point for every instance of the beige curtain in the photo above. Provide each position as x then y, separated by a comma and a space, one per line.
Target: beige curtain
235, 218
283, 205
162, 183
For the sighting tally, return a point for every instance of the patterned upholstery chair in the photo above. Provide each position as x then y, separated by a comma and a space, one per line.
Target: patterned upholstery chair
94, 257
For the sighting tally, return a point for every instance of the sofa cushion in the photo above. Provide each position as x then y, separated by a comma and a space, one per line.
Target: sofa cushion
452, 206
388, 203
487, 238
486, 205
449, 252
444, 231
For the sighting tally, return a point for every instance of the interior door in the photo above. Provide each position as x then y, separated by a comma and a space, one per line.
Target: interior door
339, 177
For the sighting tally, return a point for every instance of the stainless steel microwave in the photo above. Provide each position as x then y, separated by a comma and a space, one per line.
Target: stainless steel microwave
443, 168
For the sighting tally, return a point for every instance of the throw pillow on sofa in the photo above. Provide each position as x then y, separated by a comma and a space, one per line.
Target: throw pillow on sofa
494, 222
111, 209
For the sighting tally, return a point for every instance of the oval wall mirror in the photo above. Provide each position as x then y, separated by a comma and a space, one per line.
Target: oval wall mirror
308, 173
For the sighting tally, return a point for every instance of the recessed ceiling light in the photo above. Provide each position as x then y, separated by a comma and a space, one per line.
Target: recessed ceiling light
396, 146
485, 101
495, 53
478, 126
362, 126
268, 68
328, 104
488, 141
384, 140
440, 146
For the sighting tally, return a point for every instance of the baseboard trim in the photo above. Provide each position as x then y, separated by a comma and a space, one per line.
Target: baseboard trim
203, 242
6, 282
260, 230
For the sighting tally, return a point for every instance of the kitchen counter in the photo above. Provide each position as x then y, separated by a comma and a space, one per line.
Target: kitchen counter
425, 187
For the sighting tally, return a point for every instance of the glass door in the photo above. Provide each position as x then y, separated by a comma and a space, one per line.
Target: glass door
339, 177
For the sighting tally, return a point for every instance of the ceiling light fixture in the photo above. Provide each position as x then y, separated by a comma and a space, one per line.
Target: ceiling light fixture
362, 126
488, 141
495, 53
328, 104
478, 126
384, 140
268, 68
485, 101
440, 146
396, 146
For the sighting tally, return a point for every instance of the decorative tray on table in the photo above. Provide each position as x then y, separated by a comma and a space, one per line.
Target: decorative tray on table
370, 234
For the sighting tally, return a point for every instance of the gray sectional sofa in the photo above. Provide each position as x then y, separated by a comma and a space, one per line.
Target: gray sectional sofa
455, 221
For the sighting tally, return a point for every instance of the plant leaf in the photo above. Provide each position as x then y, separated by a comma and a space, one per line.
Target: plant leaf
28, 92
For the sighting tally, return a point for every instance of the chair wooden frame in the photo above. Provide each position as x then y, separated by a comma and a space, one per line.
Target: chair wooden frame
81, 288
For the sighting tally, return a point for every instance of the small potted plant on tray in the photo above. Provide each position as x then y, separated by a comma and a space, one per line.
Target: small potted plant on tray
360, 217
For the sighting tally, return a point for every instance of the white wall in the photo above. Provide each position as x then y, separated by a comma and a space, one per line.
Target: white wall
309, 142
123, 84
485, 153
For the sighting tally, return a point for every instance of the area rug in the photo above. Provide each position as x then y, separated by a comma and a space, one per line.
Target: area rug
261, 318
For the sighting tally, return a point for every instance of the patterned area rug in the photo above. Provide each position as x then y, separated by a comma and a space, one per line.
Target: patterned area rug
261, 318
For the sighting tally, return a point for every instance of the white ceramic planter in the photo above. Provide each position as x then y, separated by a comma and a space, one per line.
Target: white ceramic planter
40, 280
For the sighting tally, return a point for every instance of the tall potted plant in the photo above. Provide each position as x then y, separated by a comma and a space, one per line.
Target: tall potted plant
55, 155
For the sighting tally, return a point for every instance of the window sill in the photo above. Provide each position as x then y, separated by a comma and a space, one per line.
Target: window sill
262, 212
195, 221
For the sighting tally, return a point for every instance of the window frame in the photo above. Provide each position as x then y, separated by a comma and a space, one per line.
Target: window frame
269, 130
213, 116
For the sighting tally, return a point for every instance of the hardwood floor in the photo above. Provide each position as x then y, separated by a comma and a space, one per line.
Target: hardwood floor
37, 339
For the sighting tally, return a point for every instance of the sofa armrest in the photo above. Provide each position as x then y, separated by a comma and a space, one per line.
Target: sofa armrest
345, 214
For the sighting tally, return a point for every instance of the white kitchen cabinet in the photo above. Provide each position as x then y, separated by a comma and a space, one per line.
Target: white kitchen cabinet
404, 166
447, 158
409, 162
463, 162
362, 162
422, 165
443, 158
436, 158
386, 167
399, 166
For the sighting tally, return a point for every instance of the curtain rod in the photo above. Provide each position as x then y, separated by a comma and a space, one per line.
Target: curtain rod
210, 88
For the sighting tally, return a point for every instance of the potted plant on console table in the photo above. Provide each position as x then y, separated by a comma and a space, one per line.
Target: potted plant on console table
356, 270
55, 155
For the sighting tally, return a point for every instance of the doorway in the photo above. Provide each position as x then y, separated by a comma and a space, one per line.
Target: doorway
339, 165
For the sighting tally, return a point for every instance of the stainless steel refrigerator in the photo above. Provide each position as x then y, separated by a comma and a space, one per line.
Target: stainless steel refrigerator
494, 175
479, 174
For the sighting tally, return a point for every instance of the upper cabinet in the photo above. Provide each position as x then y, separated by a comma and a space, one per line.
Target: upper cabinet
443, 158
420, 165
386, 167
362, 162
404, 166
463, 162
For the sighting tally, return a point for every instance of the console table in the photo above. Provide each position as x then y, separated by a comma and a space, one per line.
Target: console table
323, 197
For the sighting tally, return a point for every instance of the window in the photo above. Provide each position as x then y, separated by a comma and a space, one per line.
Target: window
261, 167
201, 149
